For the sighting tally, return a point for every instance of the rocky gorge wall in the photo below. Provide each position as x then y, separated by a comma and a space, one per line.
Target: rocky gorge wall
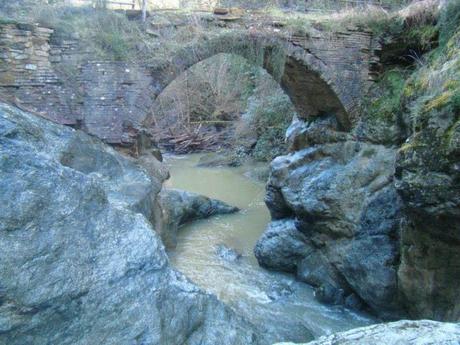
373, 223
344, 222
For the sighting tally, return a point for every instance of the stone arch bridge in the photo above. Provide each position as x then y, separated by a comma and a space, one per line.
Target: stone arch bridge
321, 72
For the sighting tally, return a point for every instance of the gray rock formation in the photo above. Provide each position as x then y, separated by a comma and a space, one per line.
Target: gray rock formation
179, 207
80, 262
282, 246
427, 178
401, 332
336, 217
386, 230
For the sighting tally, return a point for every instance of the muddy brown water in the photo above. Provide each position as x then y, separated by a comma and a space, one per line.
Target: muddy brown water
283, 309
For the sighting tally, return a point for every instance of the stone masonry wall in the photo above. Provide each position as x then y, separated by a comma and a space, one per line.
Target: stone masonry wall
28, 78
117, 97
57, 79
53, 77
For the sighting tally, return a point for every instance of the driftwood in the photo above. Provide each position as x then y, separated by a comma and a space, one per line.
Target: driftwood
190, 139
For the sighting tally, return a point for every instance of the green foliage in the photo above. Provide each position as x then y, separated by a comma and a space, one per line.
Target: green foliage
213, 90
301, 5
455, 101
388, 104
270, 145
107, 34
382, 109
449, 21
379, 21
383, 24
432, 94
116, 36
424, 36
269, 113
5, 21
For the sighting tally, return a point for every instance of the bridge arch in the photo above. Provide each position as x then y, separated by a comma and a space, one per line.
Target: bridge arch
306, 78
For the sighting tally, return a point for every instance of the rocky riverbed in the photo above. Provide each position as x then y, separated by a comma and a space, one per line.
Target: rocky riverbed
80, 260
217, 254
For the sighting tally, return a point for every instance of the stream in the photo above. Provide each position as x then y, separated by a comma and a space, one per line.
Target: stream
282, 308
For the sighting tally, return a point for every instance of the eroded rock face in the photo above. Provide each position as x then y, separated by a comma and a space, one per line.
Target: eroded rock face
336, 217
428, 180
427, 177
401, 332
80, 262
178, 207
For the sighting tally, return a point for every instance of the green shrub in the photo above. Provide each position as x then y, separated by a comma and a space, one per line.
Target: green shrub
270, 145
388, 104
455, 101
449, 21
269, 113
423, 36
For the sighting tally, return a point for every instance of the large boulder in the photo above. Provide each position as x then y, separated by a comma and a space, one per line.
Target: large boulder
80, 262
343, 213
178, 207
281, 246
402, 332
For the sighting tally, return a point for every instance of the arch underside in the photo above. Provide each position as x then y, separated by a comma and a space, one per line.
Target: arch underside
309, 92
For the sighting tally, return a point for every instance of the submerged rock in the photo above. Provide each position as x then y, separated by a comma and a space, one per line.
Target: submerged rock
80, 262
212, 160
402, 332
228, 254
279, 290
179, 207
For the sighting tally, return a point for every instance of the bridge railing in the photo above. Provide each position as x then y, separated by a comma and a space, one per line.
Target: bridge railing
126, 4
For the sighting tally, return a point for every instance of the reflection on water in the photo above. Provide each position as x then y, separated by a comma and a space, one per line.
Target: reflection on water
284, 309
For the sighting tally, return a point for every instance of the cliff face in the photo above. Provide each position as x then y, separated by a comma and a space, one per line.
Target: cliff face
81, 263
365, 218
428, 180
